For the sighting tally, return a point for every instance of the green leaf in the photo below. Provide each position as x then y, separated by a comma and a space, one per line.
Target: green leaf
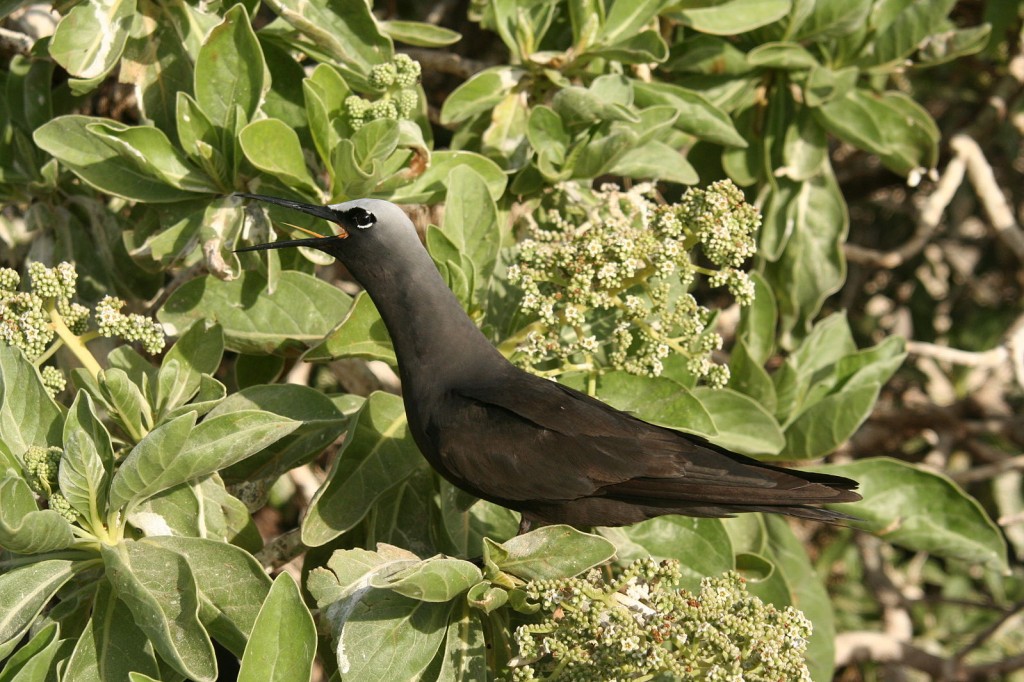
626, 17
471, 224
38, 659
302, 309
812, 265
702, 546
465, 648
150, 152
895, 42
480, 93
130, 406
97, 163
377, 455
922, 510
697, 115
742, 423
361, 334
945, 47
656, 160
804, 147
757, 321
28, 415
431, 186
485, 597
160, 591
548, 553
549, 139
824, 85
383, 635
347, 31
828, 423
197, 352
419, 34
197, 509
658, 400
642, 48
781, 55
273, 147
890, 125
231, 585
283, 641
230, 70
145, 461
90, 39
321, 422
749, 377
806, 592
466, 521
438, 579
24, 529
88, 460
729, 17
833, 19
112, 645
216, 443
24, 591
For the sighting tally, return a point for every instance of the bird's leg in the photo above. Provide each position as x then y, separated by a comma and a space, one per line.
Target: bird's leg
524, 525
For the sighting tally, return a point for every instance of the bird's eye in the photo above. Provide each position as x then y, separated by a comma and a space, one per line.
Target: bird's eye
361, 218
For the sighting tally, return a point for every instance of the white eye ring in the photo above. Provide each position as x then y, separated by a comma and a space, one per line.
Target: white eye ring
361, 218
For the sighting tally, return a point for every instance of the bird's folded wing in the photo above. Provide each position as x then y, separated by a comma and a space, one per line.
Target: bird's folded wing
556, 443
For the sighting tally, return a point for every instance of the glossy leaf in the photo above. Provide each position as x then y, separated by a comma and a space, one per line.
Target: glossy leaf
301, 310
828, 423
197, 352
697, 115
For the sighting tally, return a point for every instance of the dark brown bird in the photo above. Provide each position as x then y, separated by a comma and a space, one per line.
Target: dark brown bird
552, 453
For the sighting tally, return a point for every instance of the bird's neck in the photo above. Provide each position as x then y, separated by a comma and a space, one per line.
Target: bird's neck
435, 340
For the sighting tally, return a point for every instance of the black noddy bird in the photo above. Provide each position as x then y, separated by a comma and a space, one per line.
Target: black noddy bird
552, 453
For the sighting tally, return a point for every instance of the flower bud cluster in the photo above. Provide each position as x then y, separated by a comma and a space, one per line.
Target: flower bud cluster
27, 317
641, 625
397, 80
60, 504
112, 322
41, 468
615, 265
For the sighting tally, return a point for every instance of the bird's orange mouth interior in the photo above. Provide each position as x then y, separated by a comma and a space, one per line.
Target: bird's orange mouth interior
341, 234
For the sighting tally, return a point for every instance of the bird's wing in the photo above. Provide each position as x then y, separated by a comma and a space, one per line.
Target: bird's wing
545, 441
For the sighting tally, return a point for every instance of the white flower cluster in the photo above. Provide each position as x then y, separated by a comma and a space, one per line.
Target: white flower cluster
615, 265
640, 626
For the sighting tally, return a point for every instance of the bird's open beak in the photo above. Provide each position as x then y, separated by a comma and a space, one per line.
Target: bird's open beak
312, 209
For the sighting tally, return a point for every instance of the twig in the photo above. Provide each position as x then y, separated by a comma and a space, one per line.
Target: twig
991, 196
983, 636
13, 42
989, 358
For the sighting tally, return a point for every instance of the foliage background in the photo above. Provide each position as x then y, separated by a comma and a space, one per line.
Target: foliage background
880, 138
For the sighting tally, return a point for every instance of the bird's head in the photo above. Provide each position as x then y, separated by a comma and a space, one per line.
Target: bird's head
359, 222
